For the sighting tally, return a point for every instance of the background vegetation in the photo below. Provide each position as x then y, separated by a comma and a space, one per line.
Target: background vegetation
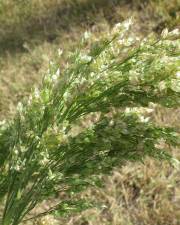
30, 34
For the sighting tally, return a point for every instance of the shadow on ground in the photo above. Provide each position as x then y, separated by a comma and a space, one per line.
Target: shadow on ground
58, 17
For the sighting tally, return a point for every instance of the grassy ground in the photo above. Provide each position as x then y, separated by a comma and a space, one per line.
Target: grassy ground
30, 33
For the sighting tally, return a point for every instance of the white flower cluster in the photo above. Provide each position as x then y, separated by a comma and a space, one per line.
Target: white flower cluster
141, 112
20, 107
168, 35
87, 35
85, 58
125, 26
44, 158
56, 75
3, 125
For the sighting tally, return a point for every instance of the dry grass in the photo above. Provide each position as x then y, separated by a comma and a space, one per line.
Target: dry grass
35, 21
136, 194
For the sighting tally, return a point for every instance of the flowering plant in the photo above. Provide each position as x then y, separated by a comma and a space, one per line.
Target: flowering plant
87, 119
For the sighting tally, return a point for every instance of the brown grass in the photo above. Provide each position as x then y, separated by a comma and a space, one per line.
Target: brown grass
30, 35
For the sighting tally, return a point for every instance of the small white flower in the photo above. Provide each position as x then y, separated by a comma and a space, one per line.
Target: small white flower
51, 63
37, 138
51, 175
83, 80
85, 58
121, 41
20, 107
178, 74
56, 75
152, 105
117, 26
165, 59
103, 67
17, 168
111, 123
87, 35
66, 96
148, 110
58, 72
36, 93
134, 77
176, 163
130, 40
164, 33
175, 85
128, 110
29, 100
174, 32
60, 52
144, 119
2, 122
23, 149
162, 85
16, 152
44, 161
92, 74
127, 23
